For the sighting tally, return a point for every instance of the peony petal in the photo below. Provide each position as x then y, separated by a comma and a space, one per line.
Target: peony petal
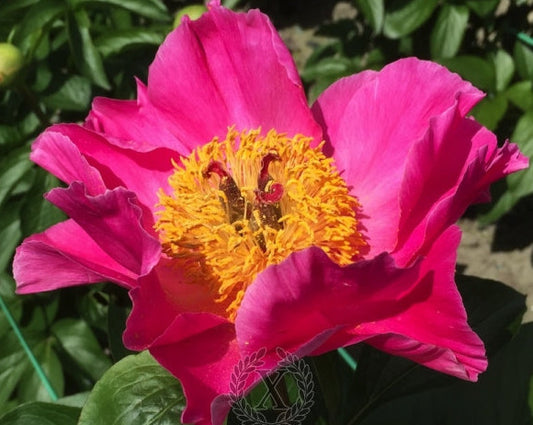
133, 124
307, 294
112, 220
446, 171
74, 153
289, 303
434, 332
56, 153
384, 115
232, 69
64, 255
160, 297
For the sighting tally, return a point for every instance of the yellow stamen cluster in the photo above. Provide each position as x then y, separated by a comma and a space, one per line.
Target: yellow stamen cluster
194, 222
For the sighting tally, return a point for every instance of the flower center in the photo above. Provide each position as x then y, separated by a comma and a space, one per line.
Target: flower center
242, 204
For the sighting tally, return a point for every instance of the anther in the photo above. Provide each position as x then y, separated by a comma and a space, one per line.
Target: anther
264, 177
217, 168
268, 194
236, 202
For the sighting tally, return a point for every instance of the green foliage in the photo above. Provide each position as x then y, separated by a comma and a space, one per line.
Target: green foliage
449, 30
404, 17
72, 50
42, 414
135, 391
520, 184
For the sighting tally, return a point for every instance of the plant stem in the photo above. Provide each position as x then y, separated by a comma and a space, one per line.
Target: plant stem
27, 350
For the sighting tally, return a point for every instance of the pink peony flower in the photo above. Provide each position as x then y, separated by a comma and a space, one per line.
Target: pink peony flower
214, 201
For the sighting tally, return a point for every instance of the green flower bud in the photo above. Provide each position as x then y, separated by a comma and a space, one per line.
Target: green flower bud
11, 60
193, 11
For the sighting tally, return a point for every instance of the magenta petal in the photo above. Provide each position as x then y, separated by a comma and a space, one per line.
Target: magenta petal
64, 255
417, 311
446, 171
56, 153
112, 220
288, 304
160, 297
143, 173
383, 115
233, 68
133, 124
434, 332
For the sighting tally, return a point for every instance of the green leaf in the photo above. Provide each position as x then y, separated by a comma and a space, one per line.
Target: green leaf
71, 94
329, 67
499, 398
135, 391
482, 7
78, 340
12, 6
41, 15
154, 9
518, 184
374, 12
493, 309
86, 56
490, 111
449, 30
405, 16
336, 377
13, 364
14, 135
521, 95
319, 86
116, 322
94, 307
42, 414
230, 4
30, 387
13, 302
478, 71
523, 57
114, 42
13, 167
10, 233
44, 315
504, 69
37, 213
74, 400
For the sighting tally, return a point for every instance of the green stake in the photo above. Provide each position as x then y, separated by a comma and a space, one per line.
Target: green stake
524, 38
28, 351
350, 361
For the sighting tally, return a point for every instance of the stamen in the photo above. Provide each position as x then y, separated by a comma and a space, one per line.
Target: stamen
268, 194
236, 202
264, 177
222, 235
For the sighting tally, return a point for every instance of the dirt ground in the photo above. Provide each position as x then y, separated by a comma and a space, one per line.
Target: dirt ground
503, 251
